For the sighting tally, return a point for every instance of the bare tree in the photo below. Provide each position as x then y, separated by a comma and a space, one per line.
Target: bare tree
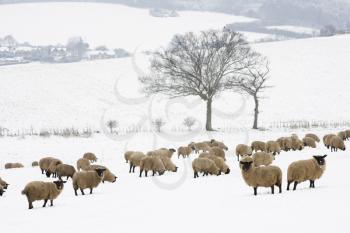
198, 65
112, 124
253, 81
158, 124
189, 122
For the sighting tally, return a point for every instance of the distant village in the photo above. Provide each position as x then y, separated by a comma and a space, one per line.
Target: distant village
76, 49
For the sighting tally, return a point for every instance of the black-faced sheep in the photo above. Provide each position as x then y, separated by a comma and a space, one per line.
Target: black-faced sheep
152, 163
303, 170
265, 176
135, 160
52, 168
3, 183
242, 150
219, 162
39, 190
108, 175
87, 179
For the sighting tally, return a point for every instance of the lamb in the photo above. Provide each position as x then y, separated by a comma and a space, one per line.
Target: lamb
135, 160
3, 183
273, 147
44, 164
35, 164
185, 151
199, 146
39, 190
217, 151
221, 145
314, 136
65, 170
310, 142
90, 156
219, 162
303, 170
206, 166
52, 168
327, 140
242, 150
83, 164
13, 165
127, 155
264, 176
162, 152
152, 163
297, 144
108, 175
337, 143
263, 158
258, 146
87, 179
342, 135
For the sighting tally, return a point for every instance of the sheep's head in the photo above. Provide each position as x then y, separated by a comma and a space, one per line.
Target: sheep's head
320, 159
109, 176
100, 171
175, 169
48, 174
59, 184
161, 172
227, 171
172, 150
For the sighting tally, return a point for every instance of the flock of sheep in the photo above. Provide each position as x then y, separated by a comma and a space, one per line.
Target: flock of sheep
256, 167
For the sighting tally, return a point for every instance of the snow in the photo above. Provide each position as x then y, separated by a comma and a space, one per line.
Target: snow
113, 25
296, 29
176, 201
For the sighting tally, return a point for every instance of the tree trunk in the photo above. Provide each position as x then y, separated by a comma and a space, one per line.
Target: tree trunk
256, 112
208, 126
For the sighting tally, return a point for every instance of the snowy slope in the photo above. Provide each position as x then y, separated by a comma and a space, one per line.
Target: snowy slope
175, 202
113, 25
310, 79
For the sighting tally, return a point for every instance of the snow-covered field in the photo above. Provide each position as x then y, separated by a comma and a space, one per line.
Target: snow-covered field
174, 202
113, 25
296, 29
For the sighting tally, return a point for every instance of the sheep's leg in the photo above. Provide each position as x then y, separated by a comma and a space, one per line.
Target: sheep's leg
82, 191
30, 204
255, 191
312, 184
51, 202
146, 173
195, 174
42, 171
153, 172
273, 189
75, 192
91, 190
280, 188
295, 185
289, 182
140, 173
45, 201
130, 167
238, 158
67, 177
133, 169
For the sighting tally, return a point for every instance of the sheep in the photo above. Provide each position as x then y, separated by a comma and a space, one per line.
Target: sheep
258, 146
35, 164
83, 164
222, 146
297, 144
295, 136
87, 179
90, 156
264, 176
168, 164
217, 151
44, 164
185, 151
199, 146
13, 165
65, 170
152, 163
327, 140
39, 190
314, 136
3, 183
263, 158
108, 175
347, 134
127, 155
303, 170
242, 150
273, 147
219, 162
135, 160
1, 190
207, 166
52, 168
285, 143
162, 152
337, 143
342, 135
310, 142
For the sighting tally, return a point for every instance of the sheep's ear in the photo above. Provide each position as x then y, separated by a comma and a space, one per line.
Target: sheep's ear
324, 156
64, 182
